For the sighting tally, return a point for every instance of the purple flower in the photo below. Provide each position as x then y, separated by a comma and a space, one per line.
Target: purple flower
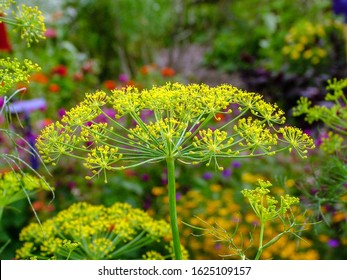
28, 105
207, 176
110, 112
2, 101
71, 185
144, 177
61, 112
178, 196
236, 164
101, 119
333, 243
123, 78
226, 172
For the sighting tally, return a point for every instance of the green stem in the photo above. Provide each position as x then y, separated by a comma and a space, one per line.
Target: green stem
261, 237
172, 204
1, 211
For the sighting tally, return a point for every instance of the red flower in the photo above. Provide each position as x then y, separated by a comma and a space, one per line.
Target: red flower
60, 70
54, 88
4, 41
39, 78
110, 84
168, 72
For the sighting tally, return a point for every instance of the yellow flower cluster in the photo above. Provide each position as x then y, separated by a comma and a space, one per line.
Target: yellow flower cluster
15, 186
177, 127
12, 72
30, 23
264, 205
301, 41
86, 231
26, 20
5, 4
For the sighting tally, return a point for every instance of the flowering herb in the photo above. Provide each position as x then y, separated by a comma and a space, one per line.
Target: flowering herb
175, 131
16, 186
26, 20
85, 231
334, 116
13, 71
267, 209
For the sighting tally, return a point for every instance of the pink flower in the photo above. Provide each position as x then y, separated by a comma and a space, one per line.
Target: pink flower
50, 33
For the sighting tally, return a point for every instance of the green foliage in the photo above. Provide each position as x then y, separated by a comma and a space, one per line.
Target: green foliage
130, 32
270, 29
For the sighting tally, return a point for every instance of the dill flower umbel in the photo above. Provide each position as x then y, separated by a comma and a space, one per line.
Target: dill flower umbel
85, 231
16, 186
13, 71
176, 130
26, 20
169, 123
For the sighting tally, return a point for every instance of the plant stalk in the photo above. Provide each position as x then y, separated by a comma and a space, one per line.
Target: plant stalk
172, 205
261, 237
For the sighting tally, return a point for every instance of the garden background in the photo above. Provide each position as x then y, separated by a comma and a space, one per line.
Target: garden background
288, 51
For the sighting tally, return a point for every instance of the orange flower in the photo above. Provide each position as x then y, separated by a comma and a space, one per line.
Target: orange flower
168, 72
54, 88
39, 78
130, 83
21, 85
47, 122
110, 84
219, 117
144, 70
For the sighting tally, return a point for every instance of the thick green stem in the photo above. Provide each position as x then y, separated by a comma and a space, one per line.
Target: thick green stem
172, 204
261, 237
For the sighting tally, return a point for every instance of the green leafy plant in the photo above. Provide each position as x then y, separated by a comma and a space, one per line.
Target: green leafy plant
85, 231
325, 190
333, 114
268, 210
173, 129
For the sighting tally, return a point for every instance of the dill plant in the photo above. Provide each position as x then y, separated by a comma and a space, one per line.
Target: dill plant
85, 231
26, 20
15, 186
328, 187
333, 116
176, 129
268, 210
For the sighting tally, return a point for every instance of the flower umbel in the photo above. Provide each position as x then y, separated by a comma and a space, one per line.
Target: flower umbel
86, 231
178, 128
